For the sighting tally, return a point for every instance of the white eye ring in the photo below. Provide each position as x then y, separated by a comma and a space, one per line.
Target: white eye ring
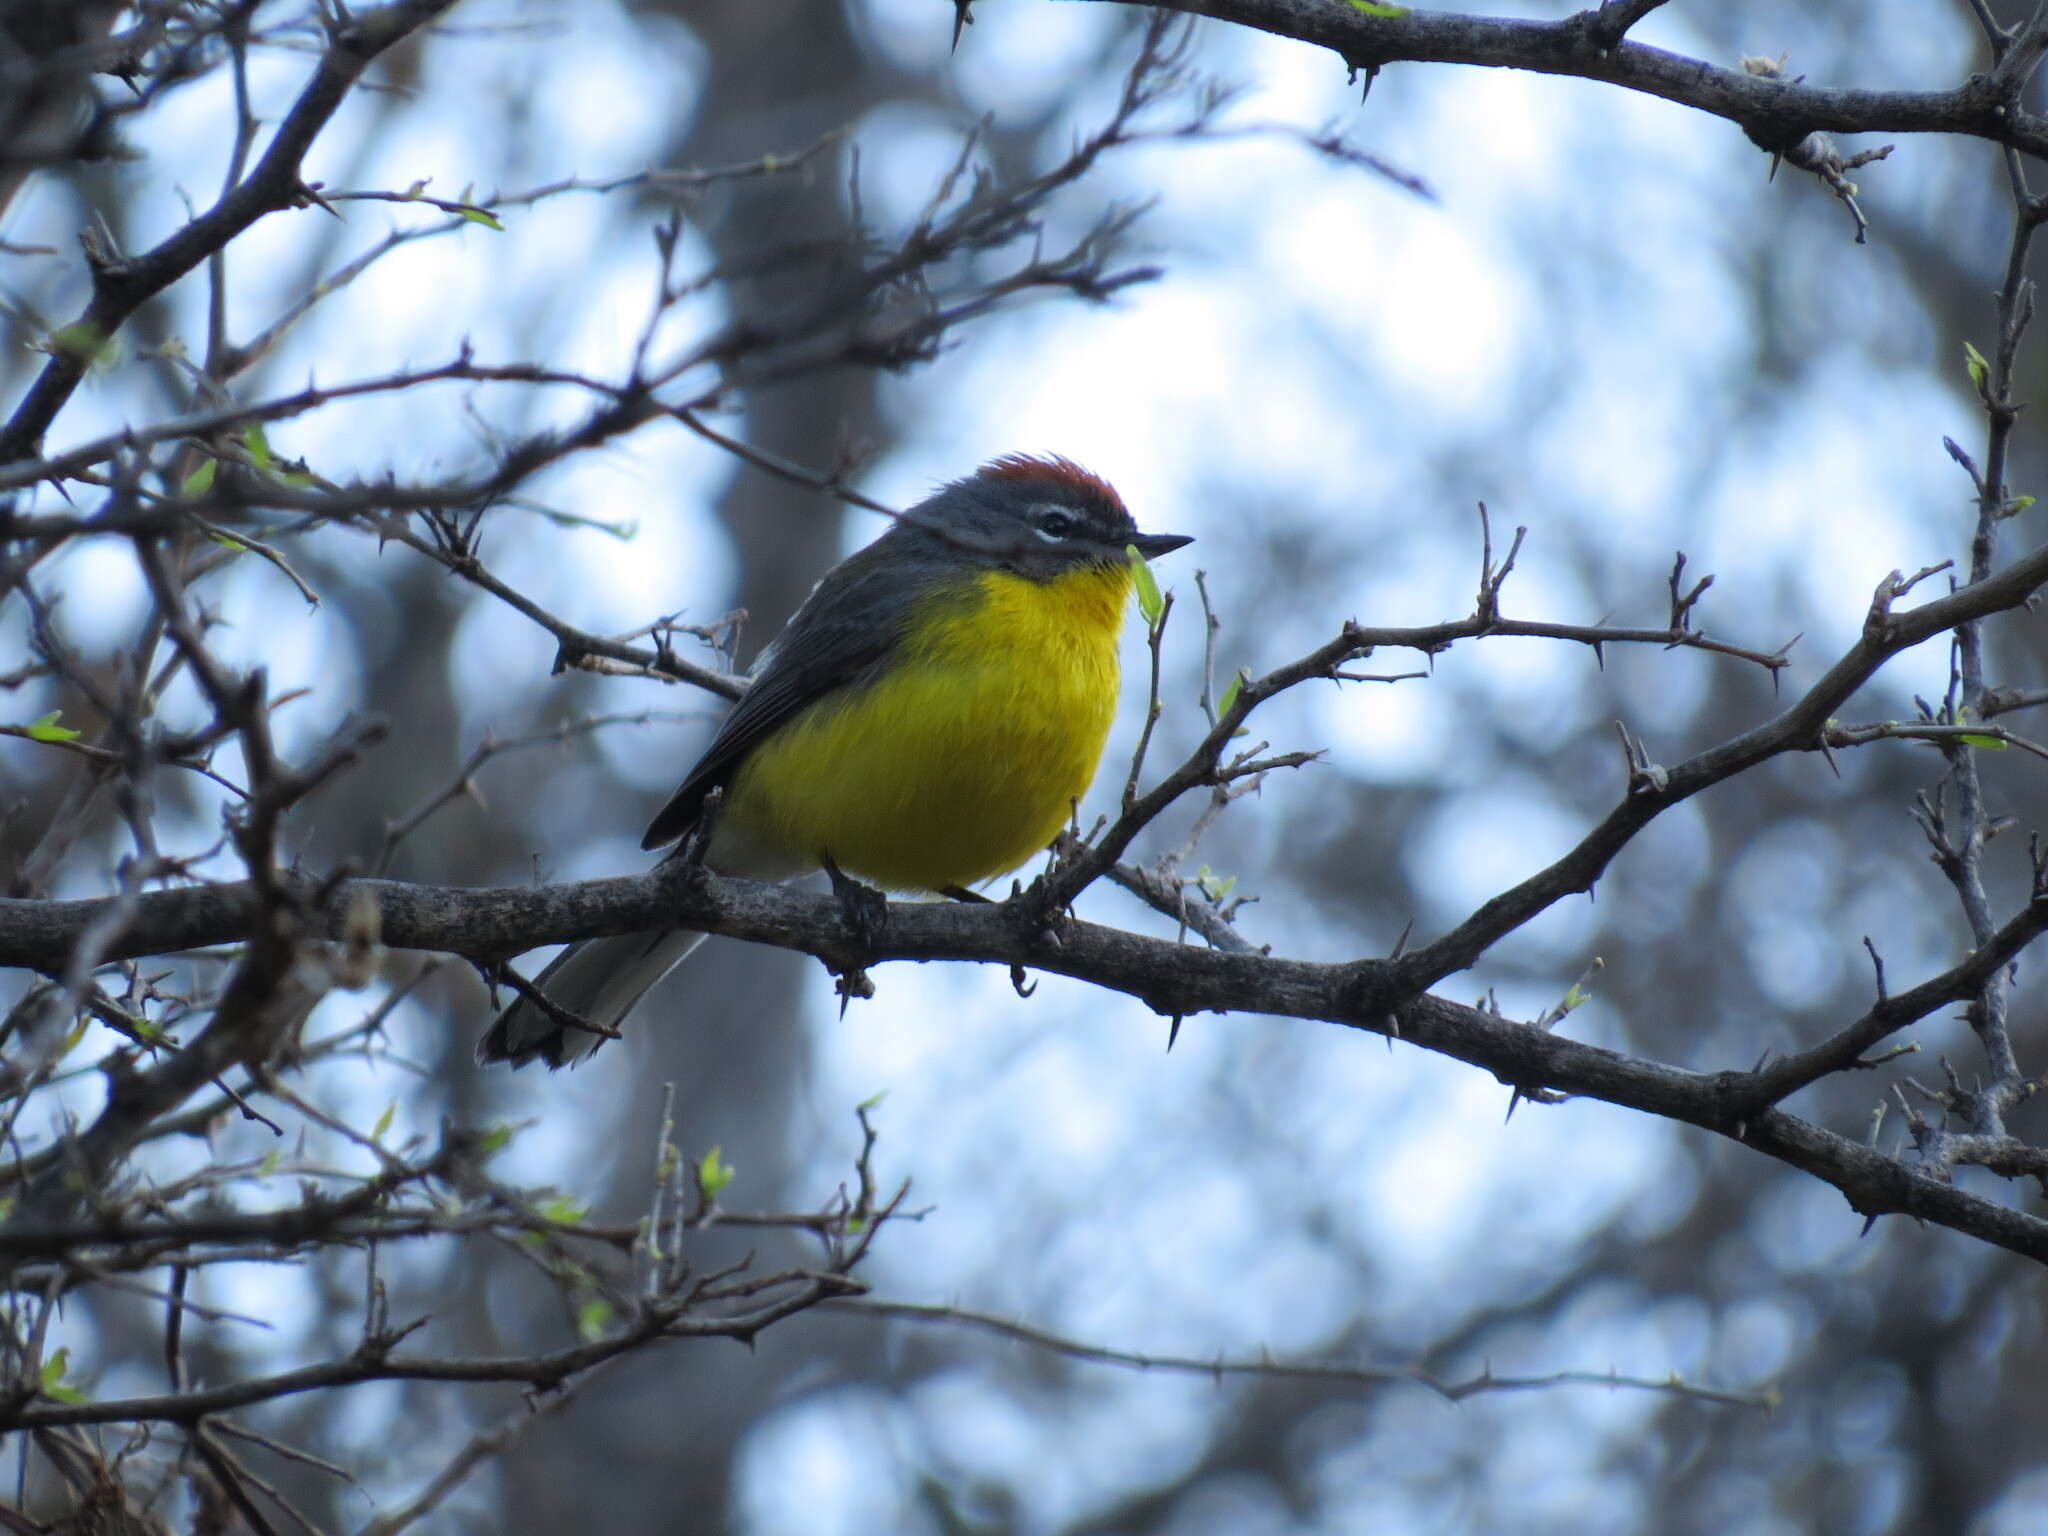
1042, 525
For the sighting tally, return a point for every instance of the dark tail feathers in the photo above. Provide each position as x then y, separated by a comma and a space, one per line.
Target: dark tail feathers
598, 979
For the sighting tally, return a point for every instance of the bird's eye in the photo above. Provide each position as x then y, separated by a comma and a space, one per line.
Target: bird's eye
1054, 526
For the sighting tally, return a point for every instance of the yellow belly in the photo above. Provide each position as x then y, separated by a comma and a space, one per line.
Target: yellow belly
964, 759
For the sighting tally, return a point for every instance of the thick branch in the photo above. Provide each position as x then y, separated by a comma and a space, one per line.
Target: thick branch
1170, 978
1776, 114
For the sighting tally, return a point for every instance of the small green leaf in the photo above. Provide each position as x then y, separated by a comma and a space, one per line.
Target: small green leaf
873, 1100
226, 541
1237, 682
713, 1173
593, 1317
53, 1378
1372, 8
2018, 504
566, 1209
268, 1166
200, 481
384, 1121
1972, 358
1988, 743
482, 216
1573, 998
285, 472
46, 728
496, 1139
1150, 603
85, 344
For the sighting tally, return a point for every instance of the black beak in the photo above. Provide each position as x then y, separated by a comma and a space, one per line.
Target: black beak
1153, 545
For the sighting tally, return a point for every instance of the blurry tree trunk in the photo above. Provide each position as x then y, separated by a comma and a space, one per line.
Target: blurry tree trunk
656, 1447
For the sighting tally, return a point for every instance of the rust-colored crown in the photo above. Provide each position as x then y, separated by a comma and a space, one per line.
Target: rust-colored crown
1052, 468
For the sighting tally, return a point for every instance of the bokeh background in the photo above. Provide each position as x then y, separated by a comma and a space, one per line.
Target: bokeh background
1607, 324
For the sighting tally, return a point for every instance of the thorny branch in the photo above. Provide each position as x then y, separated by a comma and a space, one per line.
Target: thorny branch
1776, 114
1219, 1367
1955, 817
121, 285
1173, 979
187, 492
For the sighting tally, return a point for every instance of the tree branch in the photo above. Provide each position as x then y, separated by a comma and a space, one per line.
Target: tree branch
1170, 978
1777, 115
120, 287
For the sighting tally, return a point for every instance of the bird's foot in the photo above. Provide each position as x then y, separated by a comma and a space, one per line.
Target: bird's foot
866, 913
1018, 979
865, 909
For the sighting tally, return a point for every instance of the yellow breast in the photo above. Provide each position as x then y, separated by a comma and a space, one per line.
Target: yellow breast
963, 759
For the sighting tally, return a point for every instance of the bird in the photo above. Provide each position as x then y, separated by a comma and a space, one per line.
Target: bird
925, 722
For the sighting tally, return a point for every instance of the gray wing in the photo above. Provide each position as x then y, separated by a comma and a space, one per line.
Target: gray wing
845, 629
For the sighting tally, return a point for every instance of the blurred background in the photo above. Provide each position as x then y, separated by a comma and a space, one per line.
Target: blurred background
1607, 324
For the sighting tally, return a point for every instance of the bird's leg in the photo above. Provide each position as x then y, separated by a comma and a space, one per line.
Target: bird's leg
689, 853
865, 910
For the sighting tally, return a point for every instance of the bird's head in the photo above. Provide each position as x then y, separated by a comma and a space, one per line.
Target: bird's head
1039, 517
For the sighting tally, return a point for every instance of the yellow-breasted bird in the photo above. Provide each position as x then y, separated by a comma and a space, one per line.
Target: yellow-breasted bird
924, 722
